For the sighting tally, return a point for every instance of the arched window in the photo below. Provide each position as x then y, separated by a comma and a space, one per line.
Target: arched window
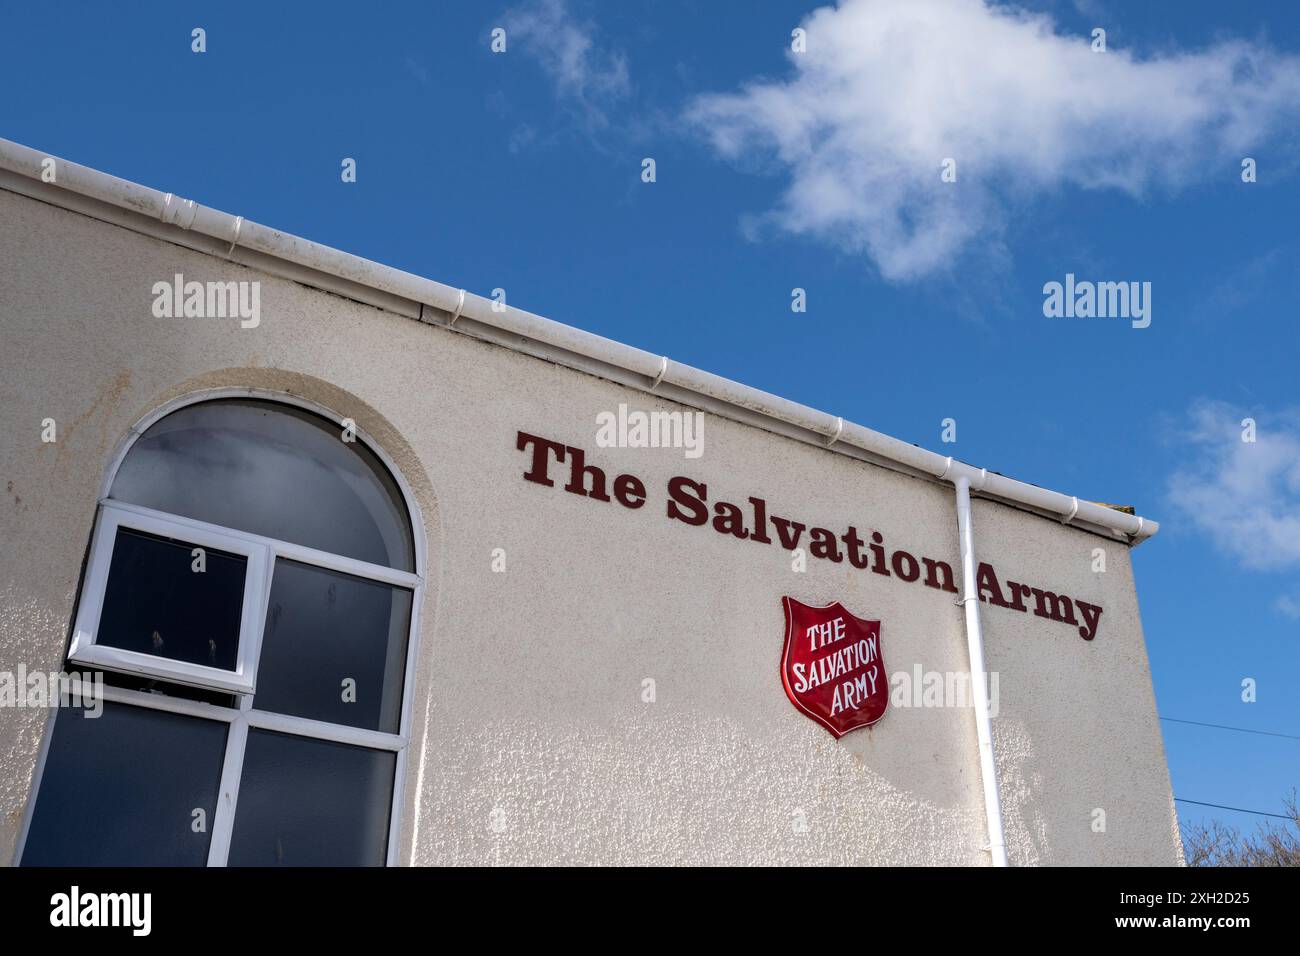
249, 599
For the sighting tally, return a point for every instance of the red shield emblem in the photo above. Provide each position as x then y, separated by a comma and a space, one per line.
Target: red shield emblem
832, 667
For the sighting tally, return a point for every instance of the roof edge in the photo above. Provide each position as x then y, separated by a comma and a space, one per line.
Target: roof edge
219, 233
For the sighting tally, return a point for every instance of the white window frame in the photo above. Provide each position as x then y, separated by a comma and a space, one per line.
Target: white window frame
86, 649
243, 716
239, 721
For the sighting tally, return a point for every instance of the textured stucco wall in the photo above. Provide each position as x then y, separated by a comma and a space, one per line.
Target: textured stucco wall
528, 706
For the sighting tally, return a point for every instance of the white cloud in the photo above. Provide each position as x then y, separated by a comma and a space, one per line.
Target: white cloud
582, 72
1288, 607
890, 88
1244, 495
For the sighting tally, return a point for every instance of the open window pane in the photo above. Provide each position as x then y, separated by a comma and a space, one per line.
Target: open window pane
156, 603
271, 470
164, 688
334, 648
122, 789
307, 802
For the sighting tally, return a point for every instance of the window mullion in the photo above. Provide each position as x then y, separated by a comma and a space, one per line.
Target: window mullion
223, 822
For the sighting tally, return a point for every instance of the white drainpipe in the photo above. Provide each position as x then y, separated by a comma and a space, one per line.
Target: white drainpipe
978, 671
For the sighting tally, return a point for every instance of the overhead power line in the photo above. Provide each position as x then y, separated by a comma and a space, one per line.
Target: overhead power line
1219, 806
1240, 730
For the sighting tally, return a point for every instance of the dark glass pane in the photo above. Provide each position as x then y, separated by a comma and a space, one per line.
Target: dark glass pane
305, 802
156, 603
121, 790
272, 470
163, 688
334, 648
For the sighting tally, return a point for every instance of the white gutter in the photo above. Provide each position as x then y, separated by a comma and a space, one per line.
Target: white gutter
978, 675
187, 223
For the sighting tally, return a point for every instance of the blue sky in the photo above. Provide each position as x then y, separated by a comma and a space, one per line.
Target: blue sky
522, 171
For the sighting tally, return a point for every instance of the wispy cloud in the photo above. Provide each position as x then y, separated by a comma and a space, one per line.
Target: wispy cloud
889, 89
417, 70
585, 74
1244, 495
1288, 607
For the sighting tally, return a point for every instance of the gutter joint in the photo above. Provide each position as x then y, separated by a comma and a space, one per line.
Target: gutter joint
839, 430
663, 370
460, 307
178, 212
234, 239
1074, 511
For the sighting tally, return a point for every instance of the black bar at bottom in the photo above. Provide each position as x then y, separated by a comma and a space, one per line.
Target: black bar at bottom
541, 905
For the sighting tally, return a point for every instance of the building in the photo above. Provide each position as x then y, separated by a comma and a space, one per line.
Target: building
374, 570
